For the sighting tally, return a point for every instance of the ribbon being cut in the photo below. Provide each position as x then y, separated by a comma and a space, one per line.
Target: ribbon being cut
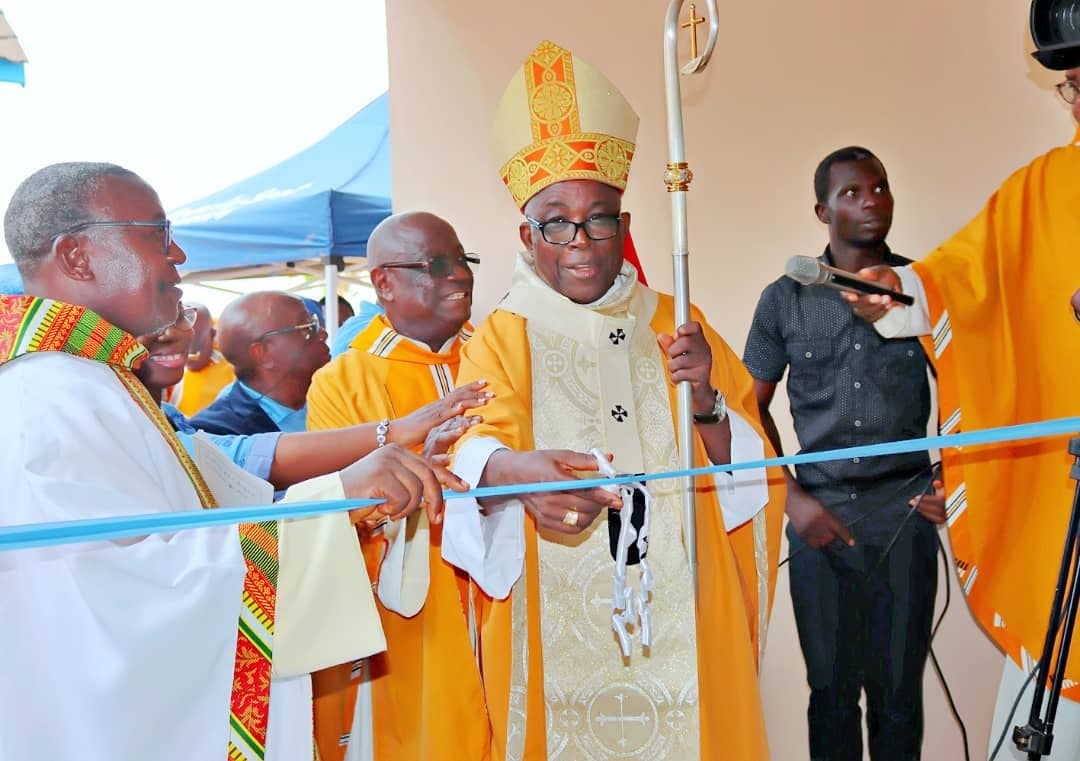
101, 529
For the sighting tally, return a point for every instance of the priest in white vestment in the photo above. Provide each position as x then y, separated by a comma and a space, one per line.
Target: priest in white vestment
128, 649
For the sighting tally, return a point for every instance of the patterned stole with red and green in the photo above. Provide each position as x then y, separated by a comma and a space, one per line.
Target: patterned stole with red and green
29, 324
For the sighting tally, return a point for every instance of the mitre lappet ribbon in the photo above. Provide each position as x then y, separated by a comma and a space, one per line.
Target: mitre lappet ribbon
630, 606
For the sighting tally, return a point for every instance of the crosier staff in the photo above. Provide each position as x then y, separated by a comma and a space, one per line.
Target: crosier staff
677, 178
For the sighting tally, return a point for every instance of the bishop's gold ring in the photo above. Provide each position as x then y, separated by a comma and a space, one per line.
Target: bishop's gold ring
571, 518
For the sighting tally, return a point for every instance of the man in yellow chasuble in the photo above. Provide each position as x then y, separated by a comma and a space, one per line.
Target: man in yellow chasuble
422, 699
579, 355
1000, 294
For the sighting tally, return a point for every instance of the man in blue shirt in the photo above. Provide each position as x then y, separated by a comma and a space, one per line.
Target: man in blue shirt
288, 458
275, 345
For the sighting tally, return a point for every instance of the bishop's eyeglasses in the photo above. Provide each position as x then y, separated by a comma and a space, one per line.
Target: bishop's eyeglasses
561, 232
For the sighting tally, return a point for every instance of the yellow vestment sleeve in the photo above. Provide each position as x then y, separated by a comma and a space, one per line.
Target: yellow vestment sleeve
499, 353
998, 297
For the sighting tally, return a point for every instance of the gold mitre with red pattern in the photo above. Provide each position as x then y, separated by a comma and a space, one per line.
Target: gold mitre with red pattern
561, 119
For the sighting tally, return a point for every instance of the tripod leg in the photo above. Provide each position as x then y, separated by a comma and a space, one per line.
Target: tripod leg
1067, 633
1036, 737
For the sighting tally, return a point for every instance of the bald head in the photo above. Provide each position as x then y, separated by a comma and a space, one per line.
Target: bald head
273, 344
431, 299
399, 235
247, 318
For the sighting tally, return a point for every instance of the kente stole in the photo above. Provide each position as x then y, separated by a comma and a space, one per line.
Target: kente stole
29, 324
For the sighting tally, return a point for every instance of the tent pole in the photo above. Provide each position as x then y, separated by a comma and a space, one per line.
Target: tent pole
331, 309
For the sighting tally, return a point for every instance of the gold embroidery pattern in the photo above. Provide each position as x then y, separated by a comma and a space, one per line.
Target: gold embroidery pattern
516, 176
586, 156
559, 149
552, 90
598, 705
612, 159
551, 103
517, 718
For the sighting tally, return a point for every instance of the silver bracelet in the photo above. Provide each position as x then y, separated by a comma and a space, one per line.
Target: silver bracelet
381, 430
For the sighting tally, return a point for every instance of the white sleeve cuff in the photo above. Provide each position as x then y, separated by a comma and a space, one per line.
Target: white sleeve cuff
405, 573
742, 493
489, 547
904, 321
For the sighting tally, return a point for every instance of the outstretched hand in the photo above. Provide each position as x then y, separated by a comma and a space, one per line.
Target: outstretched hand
442, 437
412, 430
567, 512
405, 481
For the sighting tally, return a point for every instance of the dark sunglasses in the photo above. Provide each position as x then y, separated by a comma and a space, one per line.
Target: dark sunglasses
436, 266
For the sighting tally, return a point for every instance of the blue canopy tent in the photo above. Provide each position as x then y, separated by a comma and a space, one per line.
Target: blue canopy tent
309, 215
10, 282
323, 201
12, 58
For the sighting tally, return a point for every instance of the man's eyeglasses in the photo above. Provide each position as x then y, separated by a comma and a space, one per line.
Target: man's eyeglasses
561, 232
164, 225
1068, 90
313, 329
437, 266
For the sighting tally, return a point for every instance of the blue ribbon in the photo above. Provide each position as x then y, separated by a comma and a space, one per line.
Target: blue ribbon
102, 529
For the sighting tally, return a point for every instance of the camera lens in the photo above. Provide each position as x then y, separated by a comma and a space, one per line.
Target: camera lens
1064, 21
1055, 29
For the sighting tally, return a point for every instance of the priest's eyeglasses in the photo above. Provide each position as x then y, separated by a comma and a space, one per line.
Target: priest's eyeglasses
561, 232
437, 266
164, 225
188, 317
184, 321
1068, 90
313, 327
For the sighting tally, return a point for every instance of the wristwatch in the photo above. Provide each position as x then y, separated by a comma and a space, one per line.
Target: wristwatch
719, 411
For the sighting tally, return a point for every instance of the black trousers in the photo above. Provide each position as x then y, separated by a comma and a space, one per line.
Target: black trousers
864, 623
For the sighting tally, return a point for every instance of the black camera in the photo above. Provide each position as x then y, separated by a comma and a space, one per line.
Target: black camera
1055, 28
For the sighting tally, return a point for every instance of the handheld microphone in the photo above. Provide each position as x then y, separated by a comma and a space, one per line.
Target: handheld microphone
809, 271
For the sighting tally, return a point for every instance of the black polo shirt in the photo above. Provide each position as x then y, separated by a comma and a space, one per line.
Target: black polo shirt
847, 387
